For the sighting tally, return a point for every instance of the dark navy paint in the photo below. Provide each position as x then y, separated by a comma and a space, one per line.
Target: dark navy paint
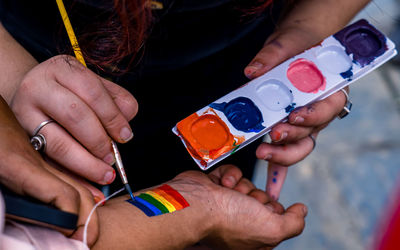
242, 113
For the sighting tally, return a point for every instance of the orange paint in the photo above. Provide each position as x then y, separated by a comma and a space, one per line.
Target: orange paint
169, 198
207, 137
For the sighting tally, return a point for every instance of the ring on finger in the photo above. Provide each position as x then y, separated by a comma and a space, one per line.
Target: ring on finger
347, 107
38, 140
313, 141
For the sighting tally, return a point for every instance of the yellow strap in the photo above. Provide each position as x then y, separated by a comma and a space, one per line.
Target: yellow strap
70, 31
161, 199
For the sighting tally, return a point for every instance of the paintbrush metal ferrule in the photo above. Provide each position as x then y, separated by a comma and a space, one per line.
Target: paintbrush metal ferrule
120, 168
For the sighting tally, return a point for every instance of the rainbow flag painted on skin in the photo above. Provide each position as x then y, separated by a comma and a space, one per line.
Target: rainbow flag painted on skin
161, 200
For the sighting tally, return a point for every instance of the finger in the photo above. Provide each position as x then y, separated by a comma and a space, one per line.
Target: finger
283, 133
89, 87
276, 176
259, 195
244, 186
320, 112
287, 154
70, 154
122, 98
281, 46
86, 205
229, 175
293, 221
275, 207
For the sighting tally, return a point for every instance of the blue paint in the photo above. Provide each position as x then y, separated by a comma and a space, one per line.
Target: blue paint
274, 180
290, 108
275, 173
242, 113
142, 207
153, 208
347, 74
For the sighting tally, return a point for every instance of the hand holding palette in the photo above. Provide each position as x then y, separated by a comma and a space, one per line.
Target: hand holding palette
245, 114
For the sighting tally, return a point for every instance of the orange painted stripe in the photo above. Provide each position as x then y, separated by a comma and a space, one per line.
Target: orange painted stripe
169, 198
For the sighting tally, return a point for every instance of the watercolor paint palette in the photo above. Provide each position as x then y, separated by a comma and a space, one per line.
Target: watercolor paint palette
249, 112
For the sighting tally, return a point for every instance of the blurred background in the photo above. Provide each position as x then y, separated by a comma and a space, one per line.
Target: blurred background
350, 179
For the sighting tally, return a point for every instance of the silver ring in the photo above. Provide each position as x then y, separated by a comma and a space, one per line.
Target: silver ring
347, 107
38, 141
313, 141
41, 125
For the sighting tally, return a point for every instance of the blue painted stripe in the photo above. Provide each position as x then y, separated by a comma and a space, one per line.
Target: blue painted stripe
142, 207
153, 208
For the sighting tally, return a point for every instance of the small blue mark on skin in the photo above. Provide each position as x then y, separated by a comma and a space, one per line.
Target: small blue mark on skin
347, 74
290, 108
274, 180
242, 113
275, 173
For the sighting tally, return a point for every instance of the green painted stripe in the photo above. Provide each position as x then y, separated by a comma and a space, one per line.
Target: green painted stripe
154, 201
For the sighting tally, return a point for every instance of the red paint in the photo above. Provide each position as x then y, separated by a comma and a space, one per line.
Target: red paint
305, 76
207, 137
275, 135
177, 196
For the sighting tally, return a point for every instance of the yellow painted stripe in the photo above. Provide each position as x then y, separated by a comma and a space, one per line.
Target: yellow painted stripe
70, 32
161, 199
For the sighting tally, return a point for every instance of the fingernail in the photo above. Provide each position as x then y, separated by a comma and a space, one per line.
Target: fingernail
268, 157
305, 210
126, 134
109, 159
279, 137
97, 199
252, 68
298, 120
269, 207
230, 181
109, 177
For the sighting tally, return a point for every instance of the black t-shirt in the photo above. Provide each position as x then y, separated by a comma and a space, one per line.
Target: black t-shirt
195, 54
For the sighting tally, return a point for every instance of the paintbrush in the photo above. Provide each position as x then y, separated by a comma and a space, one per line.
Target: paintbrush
79, 57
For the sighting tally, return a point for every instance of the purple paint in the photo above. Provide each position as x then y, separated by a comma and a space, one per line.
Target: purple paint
363, 41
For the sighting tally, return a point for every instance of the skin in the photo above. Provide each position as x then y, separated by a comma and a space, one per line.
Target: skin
305, 24
214, 200
23, 170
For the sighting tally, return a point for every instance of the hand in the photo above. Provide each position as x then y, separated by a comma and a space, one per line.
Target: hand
244, 217
290, 141
23, 171
88, 110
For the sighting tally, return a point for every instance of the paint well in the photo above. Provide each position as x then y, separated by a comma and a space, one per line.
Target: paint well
334, 59
242, 113
305, 76
207, 136
274, 94
363, 41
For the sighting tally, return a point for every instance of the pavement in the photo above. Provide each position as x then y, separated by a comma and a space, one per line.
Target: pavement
349, 179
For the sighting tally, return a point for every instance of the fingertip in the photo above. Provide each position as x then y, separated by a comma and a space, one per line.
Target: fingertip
228, 181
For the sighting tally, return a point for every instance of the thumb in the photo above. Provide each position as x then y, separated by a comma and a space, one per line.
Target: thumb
280, 46
294, 220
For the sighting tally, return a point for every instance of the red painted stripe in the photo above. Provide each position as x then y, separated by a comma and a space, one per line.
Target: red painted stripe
177, 196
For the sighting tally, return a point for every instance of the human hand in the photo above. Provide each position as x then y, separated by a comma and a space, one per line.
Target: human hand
291, 141
23, 170
244, 216
88, 110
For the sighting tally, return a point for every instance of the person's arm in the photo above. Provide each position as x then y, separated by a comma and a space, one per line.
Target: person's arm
92, 109
23, 170
226, 211
15, 62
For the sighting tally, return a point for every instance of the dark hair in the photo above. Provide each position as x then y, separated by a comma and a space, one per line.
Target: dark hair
125, 31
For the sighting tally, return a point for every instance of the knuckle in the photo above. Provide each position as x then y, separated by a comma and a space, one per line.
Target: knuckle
75, 111
58, 147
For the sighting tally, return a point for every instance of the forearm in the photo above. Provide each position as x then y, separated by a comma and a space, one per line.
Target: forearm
321, 17
15, 62
123, 226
